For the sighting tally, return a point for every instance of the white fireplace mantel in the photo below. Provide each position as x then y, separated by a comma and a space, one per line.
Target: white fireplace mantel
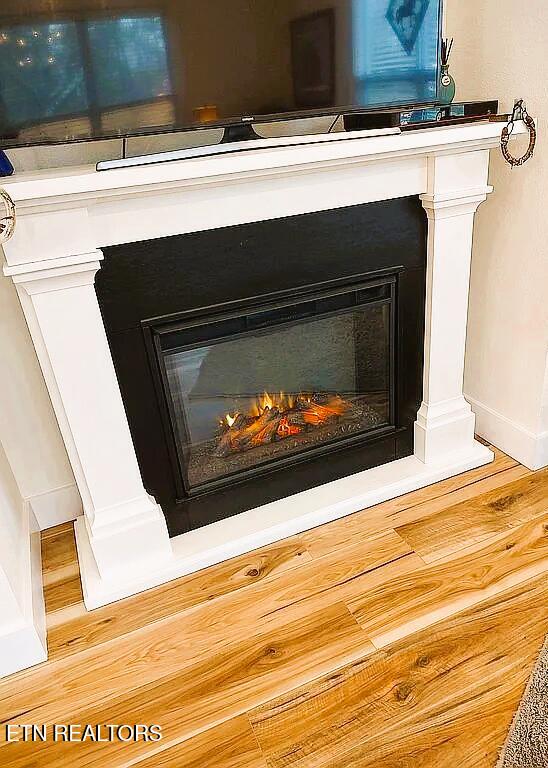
65, 217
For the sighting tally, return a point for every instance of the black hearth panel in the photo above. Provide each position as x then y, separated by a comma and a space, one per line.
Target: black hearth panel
261, 360
171, 274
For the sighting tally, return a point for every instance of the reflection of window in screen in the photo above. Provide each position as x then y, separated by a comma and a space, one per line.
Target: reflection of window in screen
41, 73
71, 68
384, 71
132, 66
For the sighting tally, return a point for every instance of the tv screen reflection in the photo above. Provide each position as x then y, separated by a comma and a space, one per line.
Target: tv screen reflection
91, 69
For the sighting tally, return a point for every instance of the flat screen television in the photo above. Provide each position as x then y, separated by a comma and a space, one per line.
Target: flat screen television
72, 70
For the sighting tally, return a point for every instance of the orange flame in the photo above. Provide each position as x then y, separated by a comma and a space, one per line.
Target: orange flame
283, 401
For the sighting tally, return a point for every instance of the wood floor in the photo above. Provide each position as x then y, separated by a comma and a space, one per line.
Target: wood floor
401, 636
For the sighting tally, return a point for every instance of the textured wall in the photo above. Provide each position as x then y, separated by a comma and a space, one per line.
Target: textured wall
500, 51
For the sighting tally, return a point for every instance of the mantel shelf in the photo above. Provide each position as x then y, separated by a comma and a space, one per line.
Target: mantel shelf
40, 189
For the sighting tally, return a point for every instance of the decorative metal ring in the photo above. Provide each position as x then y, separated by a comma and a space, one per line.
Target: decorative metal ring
7, 223
505, 138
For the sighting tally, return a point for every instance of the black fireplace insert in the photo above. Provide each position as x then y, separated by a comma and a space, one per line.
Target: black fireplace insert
265, 385
238, 396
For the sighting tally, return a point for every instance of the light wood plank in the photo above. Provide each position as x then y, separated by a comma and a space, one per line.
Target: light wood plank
407, 509
199, 652
440, 699
165, 647
57, 530
229, 745
207, 693
258, 603
63, 594
82, 630
449, 745
475, 520
72, 630
60, 572
59, 558
435, 592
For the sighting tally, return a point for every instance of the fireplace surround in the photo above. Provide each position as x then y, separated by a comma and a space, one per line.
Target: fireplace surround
66, 218
289, 370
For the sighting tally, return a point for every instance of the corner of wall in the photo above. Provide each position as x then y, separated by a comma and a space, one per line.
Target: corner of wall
60, 505
23, 618
528, 448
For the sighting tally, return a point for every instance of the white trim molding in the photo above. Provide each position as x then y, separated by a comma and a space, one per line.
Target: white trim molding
56, 506
66, 216
22, 614
528, 448
23, 620
445, 421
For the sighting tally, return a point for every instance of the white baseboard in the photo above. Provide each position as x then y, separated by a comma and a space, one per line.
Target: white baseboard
518, 442
60, 505
23, 644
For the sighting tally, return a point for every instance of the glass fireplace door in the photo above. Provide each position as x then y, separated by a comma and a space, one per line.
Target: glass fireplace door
249, 390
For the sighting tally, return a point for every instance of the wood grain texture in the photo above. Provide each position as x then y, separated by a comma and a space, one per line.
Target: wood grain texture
229, 745
219, 687
188, 637
444, 697
477, 519
79, 630
59, 558
417, 505
63, 594
437, 591
270, 635
209, 598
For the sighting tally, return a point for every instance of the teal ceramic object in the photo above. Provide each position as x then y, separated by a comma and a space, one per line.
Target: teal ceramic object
447, 86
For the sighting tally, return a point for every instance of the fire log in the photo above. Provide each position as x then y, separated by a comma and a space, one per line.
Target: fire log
241, 438
295, 418
316, 413
308, 411
267, 433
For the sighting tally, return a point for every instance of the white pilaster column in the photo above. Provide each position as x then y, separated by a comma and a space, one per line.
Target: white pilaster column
126, 528
457, 185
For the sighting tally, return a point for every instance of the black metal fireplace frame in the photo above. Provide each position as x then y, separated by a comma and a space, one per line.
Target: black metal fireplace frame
175, 332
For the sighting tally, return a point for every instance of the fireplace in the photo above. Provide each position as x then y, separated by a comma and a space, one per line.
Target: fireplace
245, 377
260, 386
102, 261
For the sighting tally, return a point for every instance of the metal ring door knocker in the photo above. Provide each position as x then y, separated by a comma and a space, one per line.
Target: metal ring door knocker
519, 113
7, 222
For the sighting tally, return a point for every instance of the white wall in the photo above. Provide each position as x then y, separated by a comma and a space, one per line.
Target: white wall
22, 614
28, 428
12, 530
500, 52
